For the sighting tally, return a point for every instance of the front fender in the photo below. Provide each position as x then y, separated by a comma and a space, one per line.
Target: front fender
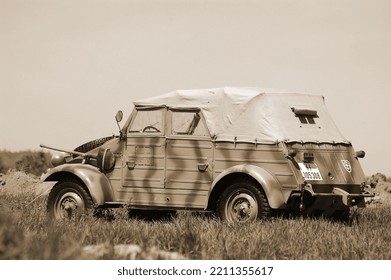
268, 182
96, 182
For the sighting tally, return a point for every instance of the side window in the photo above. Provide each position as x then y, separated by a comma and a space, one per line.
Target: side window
147, 121
188, 123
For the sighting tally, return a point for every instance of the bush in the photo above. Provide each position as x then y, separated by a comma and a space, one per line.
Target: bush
34, 164
31, 162
376, 178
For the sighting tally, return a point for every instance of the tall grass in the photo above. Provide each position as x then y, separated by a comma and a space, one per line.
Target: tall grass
26, 233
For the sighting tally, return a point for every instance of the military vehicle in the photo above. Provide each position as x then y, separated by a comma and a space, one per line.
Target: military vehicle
242, 153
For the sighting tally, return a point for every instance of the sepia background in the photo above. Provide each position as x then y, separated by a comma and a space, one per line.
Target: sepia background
66, 67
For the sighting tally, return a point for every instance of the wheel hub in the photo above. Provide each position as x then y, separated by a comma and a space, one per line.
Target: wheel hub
241, 208
68, 205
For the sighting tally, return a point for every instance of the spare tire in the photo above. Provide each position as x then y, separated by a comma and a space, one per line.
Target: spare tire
93, 144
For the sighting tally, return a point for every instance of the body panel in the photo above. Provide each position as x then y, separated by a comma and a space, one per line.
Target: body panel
264, 162
337, 164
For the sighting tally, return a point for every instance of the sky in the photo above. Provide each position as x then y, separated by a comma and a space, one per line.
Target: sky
66, 67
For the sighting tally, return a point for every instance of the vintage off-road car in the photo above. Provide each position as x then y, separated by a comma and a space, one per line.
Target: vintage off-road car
239, 152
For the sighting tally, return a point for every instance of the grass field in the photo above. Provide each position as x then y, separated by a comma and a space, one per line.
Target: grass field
26, 233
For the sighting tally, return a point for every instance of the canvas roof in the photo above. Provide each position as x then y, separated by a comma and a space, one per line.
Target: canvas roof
255, 114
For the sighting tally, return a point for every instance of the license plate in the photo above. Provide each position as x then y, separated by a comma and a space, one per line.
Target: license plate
310, 172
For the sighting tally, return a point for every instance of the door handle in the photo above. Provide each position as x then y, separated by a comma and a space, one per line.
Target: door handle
202, 166
131, 164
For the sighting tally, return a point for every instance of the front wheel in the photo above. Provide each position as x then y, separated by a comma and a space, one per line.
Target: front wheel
68, 200
242, 202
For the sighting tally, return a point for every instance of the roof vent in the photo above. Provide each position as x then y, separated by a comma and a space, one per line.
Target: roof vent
304, 111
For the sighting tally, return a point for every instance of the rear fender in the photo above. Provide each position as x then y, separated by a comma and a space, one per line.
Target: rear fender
96, 182
267, 181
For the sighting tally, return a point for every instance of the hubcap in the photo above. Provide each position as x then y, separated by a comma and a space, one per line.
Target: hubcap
241, 207
69, 205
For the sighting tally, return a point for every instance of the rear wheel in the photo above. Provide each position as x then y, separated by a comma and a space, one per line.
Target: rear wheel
68, 200
242, 202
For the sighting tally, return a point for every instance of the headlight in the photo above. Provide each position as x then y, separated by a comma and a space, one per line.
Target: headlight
58, 159
105, 160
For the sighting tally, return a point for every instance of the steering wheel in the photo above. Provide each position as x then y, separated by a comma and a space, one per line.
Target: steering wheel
150, 128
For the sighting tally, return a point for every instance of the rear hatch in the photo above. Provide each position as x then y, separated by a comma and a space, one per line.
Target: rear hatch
326, 166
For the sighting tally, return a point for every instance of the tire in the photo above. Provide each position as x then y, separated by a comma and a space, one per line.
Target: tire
92, 144
243, 202
68, 200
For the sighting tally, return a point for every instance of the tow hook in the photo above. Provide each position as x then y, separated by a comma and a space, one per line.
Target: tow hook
305, 187
301, 206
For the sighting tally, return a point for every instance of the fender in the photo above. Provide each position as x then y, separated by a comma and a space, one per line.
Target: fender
97, 183
268, 182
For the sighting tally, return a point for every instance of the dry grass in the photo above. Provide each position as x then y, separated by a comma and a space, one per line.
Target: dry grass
26, 233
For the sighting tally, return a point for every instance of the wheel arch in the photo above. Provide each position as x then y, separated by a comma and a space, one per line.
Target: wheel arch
266, 182
95, 182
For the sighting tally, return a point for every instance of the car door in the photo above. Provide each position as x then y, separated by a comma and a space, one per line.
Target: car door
144, 158
189, 152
